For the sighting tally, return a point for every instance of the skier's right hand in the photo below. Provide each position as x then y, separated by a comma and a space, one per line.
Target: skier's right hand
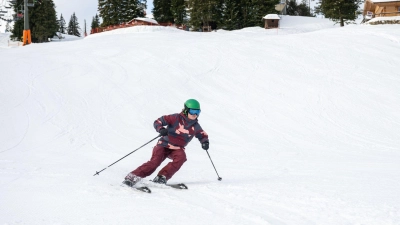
163, 132
205, 145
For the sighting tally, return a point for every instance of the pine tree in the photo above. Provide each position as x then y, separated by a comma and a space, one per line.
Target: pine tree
205, 13
162, 11
303, 9
245, 13
42, 22
217, 18
142, 7
62, 24
97, 20
134, 9
116, 12
197, 13
178, 10
73, 26
92, 25
291, 8
257, 9
104, 9
230, 14
339, 11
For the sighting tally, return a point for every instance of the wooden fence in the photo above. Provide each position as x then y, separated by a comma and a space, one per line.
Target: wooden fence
125, 25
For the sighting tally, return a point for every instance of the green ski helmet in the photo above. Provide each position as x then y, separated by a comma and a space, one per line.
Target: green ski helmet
191, 104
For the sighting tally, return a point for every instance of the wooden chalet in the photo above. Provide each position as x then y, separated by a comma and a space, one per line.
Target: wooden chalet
271, 21
381, 8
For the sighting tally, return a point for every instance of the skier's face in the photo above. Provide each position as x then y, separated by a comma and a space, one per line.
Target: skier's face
192, 117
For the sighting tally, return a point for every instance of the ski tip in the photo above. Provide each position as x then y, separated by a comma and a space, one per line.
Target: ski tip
183, 186
144, 189
178, 186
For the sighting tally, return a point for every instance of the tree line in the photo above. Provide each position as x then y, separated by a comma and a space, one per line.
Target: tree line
226, 14
115, 12
237, 14
302, 9
221, 14
43, 22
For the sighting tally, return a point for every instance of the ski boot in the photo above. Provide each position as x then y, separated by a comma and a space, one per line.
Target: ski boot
160, 179
131, 180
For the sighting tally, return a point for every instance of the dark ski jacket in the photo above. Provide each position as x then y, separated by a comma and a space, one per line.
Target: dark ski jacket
181, 131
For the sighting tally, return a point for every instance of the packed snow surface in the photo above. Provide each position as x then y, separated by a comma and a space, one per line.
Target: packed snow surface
304, 126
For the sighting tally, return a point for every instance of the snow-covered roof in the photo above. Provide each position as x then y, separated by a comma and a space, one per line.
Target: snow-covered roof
272, 17
146, 20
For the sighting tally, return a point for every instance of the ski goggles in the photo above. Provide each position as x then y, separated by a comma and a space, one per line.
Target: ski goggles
194, 112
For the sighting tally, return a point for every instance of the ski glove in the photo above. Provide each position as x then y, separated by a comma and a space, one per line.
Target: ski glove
163, 132
205, 145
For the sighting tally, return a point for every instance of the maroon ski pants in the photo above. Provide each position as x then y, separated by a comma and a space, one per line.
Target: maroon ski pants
160, 153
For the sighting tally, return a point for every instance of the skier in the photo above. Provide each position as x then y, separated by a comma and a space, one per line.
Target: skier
181, 128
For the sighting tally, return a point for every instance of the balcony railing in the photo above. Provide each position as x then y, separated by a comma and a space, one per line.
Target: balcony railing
387, 14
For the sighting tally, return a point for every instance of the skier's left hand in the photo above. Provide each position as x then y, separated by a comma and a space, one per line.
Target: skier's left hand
205, 145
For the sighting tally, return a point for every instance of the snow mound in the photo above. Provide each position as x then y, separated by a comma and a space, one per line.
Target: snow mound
291, 25
384, 20
306, 23
67, 37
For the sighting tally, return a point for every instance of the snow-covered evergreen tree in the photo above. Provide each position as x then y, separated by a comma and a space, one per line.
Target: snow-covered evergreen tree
73, 26
178, 10
291, 8
340, 11
115, 12
230, 14
95, 22
63, 25
162, 11
42, 22
204, 12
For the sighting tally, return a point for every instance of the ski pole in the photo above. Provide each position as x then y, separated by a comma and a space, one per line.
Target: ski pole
219, 178
97, 173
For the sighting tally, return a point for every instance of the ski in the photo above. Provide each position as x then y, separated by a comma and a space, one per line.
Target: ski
142, 189
178, 186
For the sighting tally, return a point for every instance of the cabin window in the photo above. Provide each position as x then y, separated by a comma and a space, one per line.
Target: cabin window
398, 9
272, 20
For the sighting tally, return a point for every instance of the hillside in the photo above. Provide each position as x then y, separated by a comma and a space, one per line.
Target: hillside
303, 121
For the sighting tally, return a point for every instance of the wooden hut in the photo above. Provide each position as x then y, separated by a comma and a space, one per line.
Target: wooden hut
271, 21
381, 8
143, 21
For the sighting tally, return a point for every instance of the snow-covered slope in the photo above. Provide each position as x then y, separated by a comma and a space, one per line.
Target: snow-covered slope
304, 126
